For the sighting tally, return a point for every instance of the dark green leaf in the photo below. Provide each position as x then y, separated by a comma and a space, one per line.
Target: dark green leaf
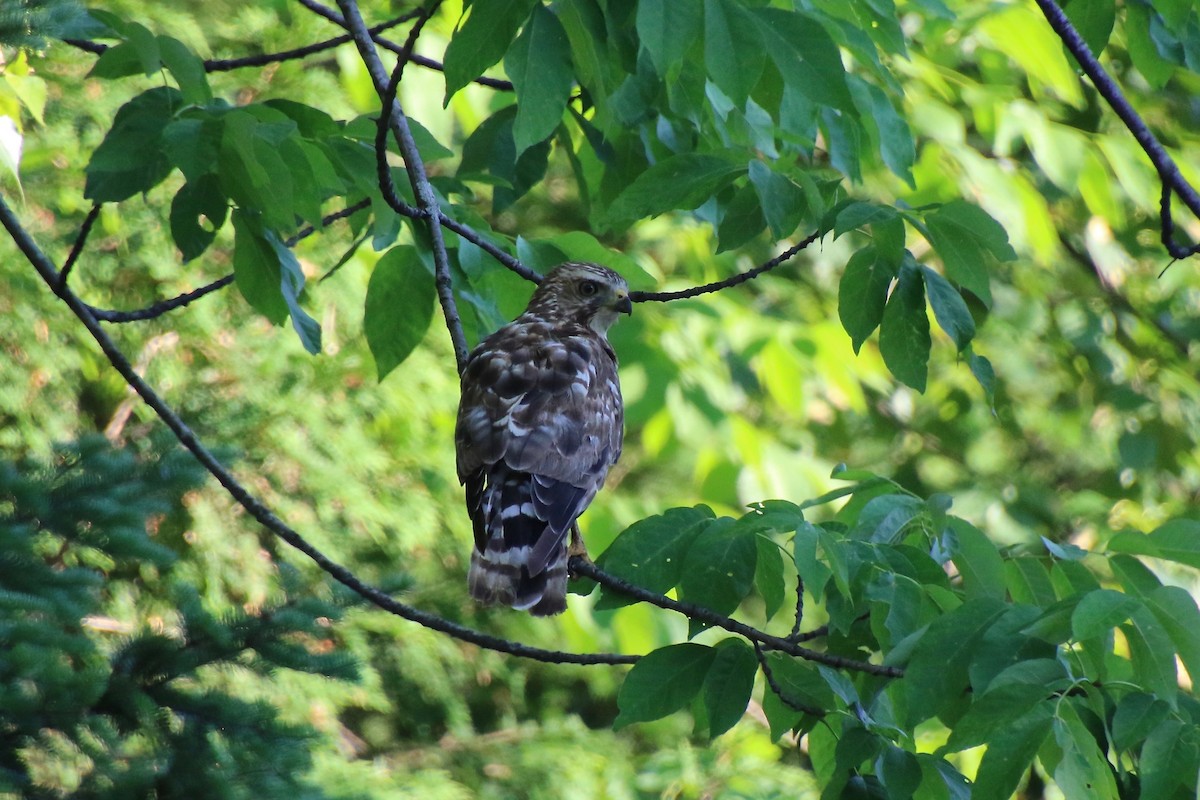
965, 236
862, 294
482, 40
1153, 654
491, 149
1135, 577
806, 56
650, 553
742, 221
985, 376
782, 202
292, 284
937, 674
728, 685
1176, 540
857, 214
1083, 771
993, 711
584, 23
681, 181
118, 61
1100, 611
197, 213
193, 145
1175, 609
662, 682
1136, 716
253, 173
733, 52
187, 68
899, 771
539, 65
1094, 20
1009, 753
718, 571
801, 685
978, 562
949, 309
667, 30
895, 139
768, 575
399, 307
1142, 50
131, 158
256, 268
811, 568
904, 331
1168, 759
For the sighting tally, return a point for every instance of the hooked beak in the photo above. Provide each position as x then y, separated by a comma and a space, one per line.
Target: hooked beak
624, 304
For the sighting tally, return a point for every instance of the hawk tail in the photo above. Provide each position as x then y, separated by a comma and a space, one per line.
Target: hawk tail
520, 558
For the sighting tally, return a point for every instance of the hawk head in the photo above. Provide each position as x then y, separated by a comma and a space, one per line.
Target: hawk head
586, 294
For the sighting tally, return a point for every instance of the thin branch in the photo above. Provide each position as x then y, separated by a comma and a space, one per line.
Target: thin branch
794, 636
579, 566
716, 286
427, 200
46, 269
1168, 171
387, 44
261, 60
179, 301
80, 241
790, 702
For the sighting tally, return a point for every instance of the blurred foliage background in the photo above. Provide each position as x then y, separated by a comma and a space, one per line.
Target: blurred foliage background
750, 394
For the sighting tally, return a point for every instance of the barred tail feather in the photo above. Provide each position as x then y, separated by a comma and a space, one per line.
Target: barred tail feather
520, 556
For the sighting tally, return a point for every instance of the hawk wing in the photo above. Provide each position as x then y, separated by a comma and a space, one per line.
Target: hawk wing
539, 425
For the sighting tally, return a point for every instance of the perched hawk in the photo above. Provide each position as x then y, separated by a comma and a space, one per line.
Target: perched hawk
539, 424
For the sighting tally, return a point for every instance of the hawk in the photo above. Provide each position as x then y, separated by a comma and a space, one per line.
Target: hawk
539, 425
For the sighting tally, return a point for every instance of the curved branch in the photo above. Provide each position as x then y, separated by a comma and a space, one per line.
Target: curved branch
80, 241
774, 686
716, 286
46, 269
427, 200
580, 566
179, 301
1168, 171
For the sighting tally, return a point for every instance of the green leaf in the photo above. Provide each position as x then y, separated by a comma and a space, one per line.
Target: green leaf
1009, 753
399, 307
862, 294
733, 51
782, 202
1100, 611
1083, 771
1152, 653
253, 173
539, 65
995, 710
187, 68
1168, 759
812, 570
667, 29
895, 139
949, 309
1135, 577
728, 685
768, 575
1136, 716
718, 571
491, 148
119, 61
742, 221
650, 553
131, 160
481, 40
1175, 609
1142, 50
1028, 581
899, 772
937, 674
584, 23
256, 267
978, 561
193, 145
806, 56
1176, 540
904, 330
582, 246
195, 200
965, 236
1094, 19
857, 214
681, 181
801, 684
1174, 12
292, 284
662, 682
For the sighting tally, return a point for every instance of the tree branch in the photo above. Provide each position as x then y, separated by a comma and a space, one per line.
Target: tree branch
716, 286
46, 269
587, 569
1168, 171
427, 200
774, 686
80, 241
179, 301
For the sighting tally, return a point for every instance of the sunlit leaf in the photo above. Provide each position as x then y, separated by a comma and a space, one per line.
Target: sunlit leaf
399, 307
539, 65
482, 40
904, 330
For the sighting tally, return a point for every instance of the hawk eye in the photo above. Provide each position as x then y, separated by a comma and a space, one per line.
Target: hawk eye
588, 288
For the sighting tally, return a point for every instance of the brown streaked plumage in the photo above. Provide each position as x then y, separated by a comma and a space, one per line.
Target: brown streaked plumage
539, 425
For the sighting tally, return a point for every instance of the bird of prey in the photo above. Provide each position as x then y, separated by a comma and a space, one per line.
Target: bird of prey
539, 425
